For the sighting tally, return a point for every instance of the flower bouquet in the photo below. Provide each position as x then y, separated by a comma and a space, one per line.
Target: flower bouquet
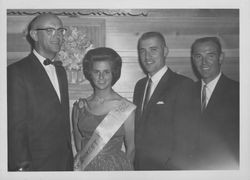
76, 44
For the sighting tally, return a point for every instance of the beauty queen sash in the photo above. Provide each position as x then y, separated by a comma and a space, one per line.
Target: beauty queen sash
103, 133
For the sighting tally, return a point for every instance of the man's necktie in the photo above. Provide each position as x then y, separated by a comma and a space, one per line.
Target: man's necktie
55, 63
147, 94
203, 97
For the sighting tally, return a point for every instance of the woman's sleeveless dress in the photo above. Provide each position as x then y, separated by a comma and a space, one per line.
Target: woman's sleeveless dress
111, 157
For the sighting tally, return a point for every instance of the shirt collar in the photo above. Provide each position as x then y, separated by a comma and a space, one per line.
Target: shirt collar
157, 76
39, 57
212, 84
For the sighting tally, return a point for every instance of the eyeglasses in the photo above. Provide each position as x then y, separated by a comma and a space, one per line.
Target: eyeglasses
52, 31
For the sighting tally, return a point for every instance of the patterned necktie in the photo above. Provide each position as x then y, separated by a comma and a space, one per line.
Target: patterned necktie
147, 94
55, 63
203, 98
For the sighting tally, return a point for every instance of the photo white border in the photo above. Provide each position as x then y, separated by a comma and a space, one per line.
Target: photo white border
243, 5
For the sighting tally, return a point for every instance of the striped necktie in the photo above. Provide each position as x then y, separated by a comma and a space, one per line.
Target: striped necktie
147, 94
203, 97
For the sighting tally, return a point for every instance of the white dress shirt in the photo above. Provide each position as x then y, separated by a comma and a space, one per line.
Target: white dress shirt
210, 87
156, 78
51, 71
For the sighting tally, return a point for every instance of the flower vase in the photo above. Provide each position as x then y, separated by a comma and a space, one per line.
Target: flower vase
81, 76
74, 75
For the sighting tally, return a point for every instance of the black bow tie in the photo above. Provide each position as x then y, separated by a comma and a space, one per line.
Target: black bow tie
55, 63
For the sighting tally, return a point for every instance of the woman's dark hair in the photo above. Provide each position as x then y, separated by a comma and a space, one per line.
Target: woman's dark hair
102, 54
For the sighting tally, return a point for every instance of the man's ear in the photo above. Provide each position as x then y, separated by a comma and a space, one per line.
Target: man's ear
166, 51
33, 35
221, 58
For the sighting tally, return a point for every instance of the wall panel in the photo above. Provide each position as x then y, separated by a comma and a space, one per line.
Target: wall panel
121, 32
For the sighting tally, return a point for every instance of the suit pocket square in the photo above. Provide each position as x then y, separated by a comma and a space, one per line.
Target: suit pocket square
160, 102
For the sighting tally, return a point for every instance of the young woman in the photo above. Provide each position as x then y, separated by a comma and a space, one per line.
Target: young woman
105, 120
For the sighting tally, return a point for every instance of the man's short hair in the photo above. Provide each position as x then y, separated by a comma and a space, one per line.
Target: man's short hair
148, 35
215, 40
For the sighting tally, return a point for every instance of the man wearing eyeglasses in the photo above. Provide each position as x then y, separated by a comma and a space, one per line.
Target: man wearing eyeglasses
218, 100
38, 103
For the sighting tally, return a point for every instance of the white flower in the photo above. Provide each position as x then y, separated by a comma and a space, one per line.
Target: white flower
76, 45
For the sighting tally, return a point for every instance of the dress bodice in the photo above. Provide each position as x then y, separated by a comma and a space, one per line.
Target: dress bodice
87, 124
111, 157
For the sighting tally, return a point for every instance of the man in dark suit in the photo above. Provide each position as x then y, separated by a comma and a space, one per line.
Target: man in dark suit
38, 103
163, 126
218, 97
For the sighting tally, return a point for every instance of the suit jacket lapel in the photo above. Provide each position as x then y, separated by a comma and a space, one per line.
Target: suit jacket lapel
63, 85
161, 88
60, 83
42, 76
217, 93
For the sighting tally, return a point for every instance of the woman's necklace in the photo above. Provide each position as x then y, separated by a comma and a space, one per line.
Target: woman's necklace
99, 100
